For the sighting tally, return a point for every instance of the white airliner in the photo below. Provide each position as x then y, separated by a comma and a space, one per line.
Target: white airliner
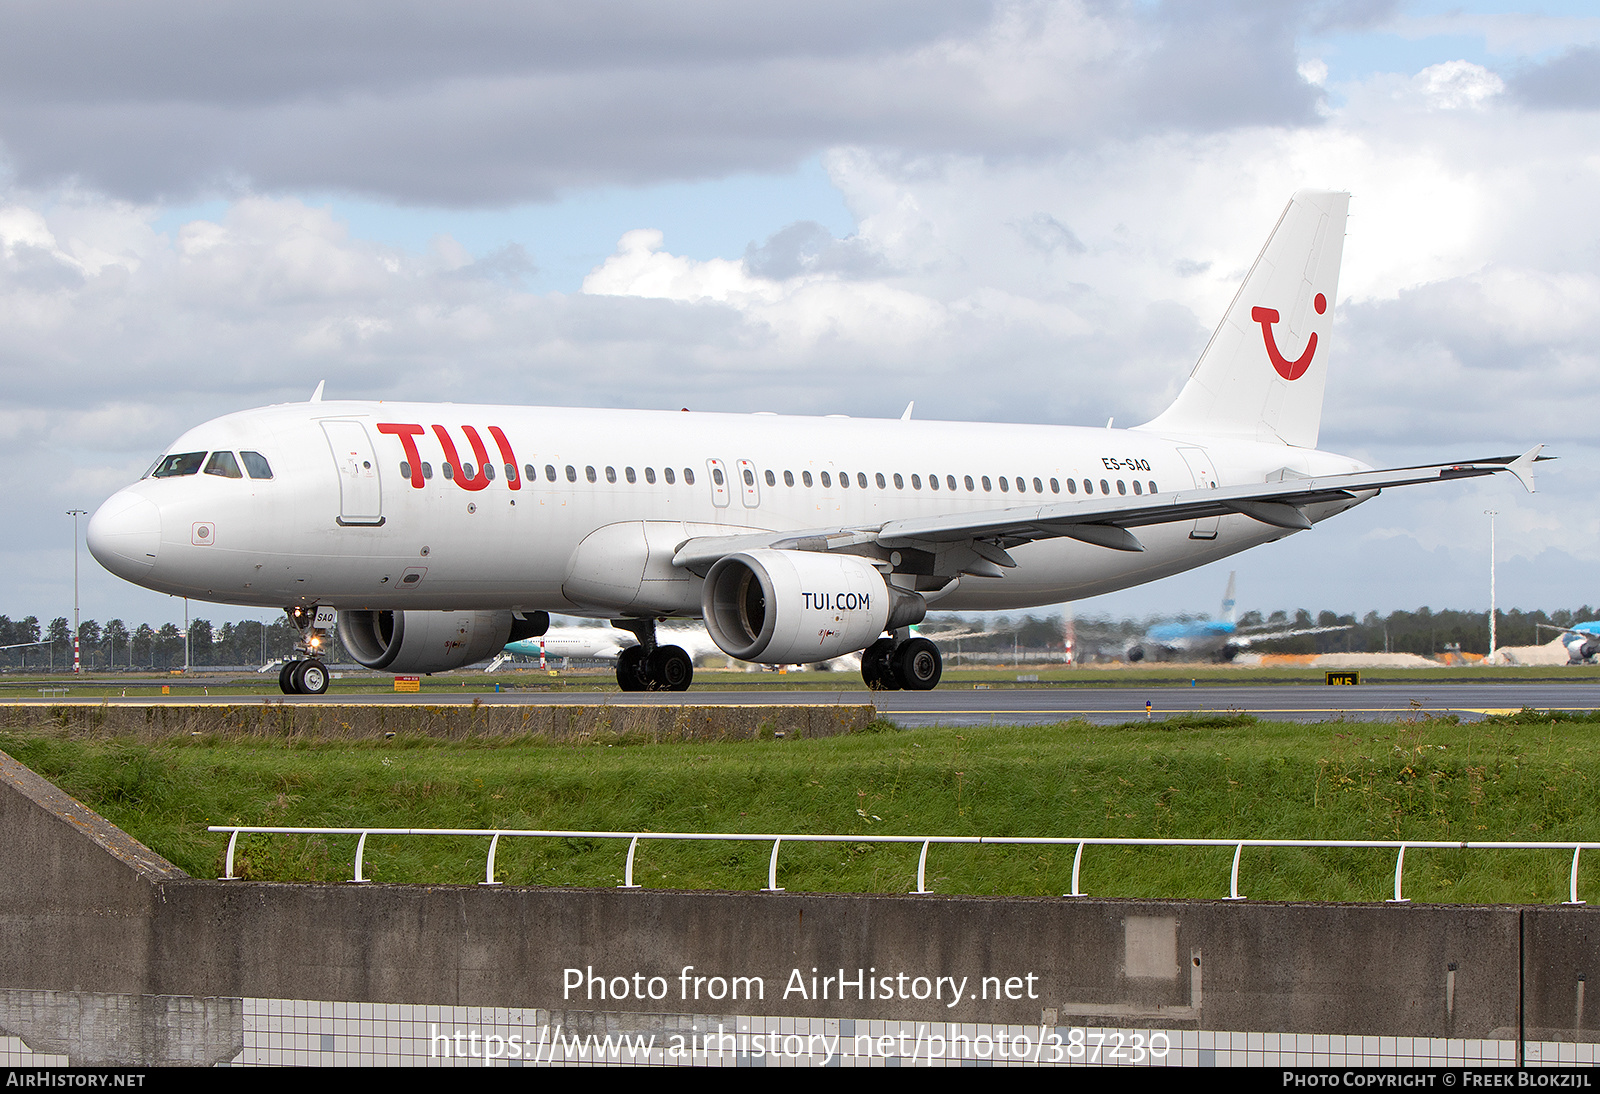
440, 532
558, 643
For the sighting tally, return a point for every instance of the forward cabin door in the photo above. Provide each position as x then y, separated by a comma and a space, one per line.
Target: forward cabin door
360, 497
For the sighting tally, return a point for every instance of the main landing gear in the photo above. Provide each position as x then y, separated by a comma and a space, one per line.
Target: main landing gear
649, 667
308, 677
303, 673
890, 664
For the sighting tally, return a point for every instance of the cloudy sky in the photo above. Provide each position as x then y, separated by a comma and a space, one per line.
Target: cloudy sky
1007, 211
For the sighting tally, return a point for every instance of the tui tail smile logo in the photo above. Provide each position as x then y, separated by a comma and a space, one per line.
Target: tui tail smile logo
1289, 370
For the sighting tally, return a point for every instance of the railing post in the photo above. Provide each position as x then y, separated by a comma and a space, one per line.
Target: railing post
227, 870
1233, 881
1576, 850
1399, 865
361, 849
772, 868
627, 873
1077, 862
488, 869
922, 867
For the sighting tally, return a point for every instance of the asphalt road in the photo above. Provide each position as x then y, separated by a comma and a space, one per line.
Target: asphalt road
982, 706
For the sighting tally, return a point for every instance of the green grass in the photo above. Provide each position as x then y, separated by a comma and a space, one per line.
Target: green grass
1529, 777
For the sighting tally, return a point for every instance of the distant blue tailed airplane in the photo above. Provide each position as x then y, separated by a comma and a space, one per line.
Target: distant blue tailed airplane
1210, 639
1582, 641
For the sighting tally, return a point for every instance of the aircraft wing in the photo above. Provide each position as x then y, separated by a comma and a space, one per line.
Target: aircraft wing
1104, 521
1272, 636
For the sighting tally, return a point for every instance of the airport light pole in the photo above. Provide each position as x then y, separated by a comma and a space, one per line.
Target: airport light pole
77, 665
1491, 514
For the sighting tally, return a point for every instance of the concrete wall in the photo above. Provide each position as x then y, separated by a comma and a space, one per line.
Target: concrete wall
85, 909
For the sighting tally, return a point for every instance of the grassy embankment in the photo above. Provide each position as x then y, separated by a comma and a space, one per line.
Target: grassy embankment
1529, 777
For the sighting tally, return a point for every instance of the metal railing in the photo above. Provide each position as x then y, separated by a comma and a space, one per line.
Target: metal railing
777, 841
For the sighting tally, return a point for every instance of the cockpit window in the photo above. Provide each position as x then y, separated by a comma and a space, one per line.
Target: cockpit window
152, 468
256, 464
223, 463
179, 463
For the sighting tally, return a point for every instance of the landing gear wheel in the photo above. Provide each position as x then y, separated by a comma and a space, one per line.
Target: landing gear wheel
286, 677
876, 667
917, 665
671, 669
310, 677
633, 670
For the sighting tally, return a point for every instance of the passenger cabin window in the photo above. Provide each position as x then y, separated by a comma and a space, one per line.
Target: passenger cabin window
861, 479
511, 472
950, 481
650, 475
405, 469
627, 473
968, 480
805, 477
427, 469
449, 472
1005, 485
611, 474
1088, 486
256, 465
916, 482
468, 472
1153, 489
1105, 487
1072, 486
1137, 487
716, 475
1038, 487
986, 485
825, 481
882, 485
688, 476
223, 464
179, 464
933, 482
529, 474
788, 478
749, 477
667, 471
589, 473
772, 480
572, 473
844, 480
488, 471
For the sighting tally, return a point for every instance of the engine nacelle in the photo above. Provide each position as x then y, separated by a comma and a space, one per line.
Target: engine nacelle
424, 642
796, 607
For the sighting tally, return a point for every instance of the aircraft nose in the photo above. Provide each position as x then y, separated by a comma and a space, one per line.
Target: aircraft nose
124, 535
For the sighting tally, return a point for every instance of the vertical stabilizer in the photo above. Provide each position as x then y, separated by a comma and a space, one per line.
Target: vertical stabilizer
1230, 606
1262, 375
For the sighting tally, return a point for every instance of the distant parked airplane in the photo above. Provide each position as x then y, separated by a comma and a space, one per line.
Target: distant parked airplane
1582, 641
1210, 639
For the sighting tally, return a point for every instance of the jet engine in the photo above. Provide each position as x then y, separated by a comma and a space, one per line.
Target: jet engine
797, 607
424, 642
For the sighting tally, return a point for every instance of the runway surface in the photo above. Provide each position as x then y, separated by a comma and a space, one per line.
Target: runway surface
1032, 706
